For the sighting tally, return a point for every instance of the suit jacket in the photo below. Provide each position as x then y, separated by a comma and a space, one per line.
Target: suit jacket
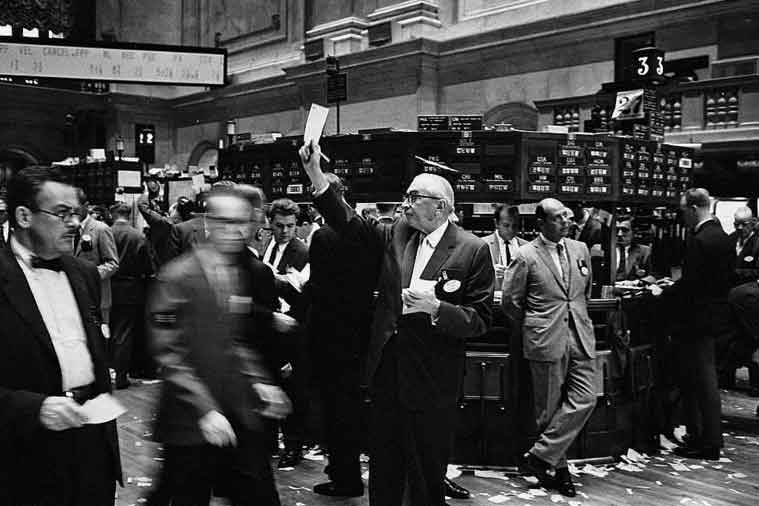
128, 284
747, 262
209, 350
538, 303
343, 278
159, 235
101, 251
700, 295
184, 236
638, 259
495, 253
30, 372
295, 256
428, 359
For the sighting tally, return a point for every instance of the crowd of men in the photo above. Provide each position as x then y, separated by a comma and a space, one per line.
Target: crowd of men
250, 311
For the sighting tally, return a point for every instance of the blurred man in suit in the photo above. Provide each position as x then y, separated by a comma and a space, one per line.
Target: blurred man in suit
504, 243
5, 226
702, 292
54, 356
586, 228
94, 242
343, 278
128, 286
633, 259
204, 326
435, 291
545, 294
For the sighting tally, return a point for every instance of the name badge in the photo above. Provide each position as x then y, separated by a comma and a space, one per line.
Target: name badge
451, 285
748, 259
583, 267
239, 305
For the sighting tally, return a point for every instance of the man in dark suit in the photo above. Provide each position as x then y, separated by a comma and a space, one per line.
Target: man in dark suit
288, 256
343, 278
504, 242
94, 243
54, 355
186, 235
160, 223
702, 293
205, 326
435, 291
586, 228
545, 295
746, 240
128, 286
633, 259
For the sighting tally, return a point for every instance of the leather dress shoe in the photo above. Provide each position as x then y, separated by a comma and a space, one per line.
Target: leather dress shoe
332, 489
539, 468
703, 453
290, 458
454, 491
563, 483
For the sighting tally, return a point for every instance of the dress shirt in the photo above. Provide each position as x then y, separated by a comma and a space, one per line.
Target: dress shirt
502, 245
426, 248
6, 230
60, 313
278, 257
554, 252
740, 243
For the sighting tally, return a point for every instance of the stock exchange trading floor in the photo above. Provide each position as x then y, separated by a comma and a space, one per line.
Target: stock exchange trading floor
638, 479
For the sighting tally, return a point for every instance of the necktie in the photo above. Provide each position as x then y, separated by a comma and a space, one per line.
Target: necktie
564, 264
508, 253
622, 269
77, 236
273, 254
53, 264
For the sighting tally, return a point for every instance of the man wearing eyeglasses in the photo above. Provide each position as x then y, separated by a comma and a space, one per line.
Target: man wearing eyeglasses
53, 357
435, 291
633, 260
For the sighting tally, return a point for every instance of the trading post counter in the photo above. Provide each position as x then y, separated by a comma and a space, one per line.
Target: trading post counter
496, 420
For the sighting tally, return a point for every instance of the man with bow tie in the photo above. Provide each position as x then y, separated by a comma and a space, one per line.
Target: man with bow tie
435, 292
53, 356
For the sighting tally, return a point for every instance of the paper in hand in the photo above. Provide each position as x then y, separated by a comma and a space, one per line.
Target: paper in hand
419, 285
317, 118
102, 408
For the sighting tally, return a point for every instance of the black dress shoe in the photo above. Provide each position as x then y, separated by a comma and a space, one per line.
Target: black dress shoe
539, 468
290, 458
333, 490
122, 381
704, 453
563, 483
454, 491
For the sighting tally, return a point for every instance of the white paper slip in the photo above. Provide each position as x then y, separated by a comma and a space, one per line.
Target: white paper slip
419, 285
102, 408
317, 118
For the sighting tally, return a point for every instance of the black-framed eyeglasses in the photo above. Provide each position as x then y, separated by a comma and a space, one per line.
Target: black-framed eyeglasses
64, 216
411, 198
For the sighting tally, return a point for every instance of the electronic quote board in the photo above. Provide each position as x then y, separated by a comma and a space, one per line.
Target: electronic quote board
136, 63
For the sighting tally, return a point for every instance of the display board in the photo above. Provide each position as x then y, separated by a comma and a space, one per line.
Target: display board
122, 63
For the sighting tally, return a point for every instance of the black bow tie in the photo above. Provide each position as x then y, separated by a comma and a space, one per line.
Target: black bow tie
52, 265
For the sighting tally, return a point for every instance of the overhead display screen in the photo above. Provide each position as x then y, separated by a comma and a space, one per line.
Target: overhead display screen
132, 63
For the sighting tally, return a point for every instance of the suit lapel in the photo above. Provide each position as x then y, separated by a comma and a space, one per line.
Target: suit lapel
545, 256
496, 249
87, 307
84, 231
285, 260
20, 297
442, 252
409, 257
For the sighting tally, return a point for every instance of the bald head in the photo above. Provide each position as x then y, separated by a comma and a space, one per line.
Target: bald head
695, 206
743, 220
553, 218
429, 202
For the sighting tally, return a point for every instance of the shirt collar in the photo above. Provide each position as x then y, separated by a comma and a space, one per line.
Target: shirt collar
434, 237
550, 243
22, 252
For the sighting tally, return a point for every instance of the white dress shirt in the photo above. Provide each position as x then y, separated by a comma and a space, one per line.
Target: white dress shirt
426, 249
555, 252
502, 245
60, 313
6, 229
278, 257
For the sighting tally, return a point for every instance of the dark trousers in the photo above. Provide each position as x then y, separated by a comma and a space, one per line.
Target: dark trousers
408, 447
699, 390
126, 324
342, 401
191, 474
76, 470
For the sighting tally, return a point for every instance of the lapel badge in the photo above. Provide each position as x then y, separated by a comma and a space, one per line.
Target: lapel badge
748, 259
451, 285
583, 267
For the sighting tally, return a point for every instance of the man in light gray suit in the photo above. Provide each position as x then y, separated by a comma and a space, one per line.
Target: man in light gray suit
504, 243
545, 293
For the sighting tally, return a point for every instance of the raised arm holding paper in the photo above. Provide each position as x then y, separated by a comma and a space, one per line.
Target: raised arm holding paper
443, 276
